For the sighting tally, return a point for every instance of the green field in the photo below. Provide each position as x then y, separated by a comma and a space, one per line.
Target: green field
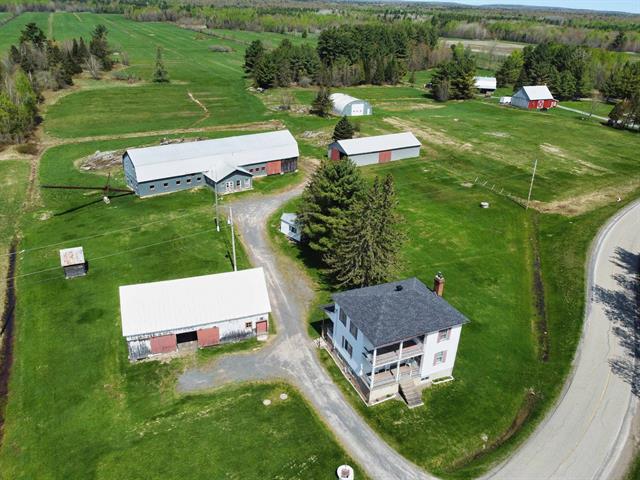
78, 409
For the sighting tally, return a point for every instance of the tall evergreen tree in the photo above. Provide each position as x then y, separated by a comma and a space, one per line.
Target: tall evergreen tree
160, 74
509, 69
99, 47
322, 104
343, 129
254, 52
329, 196
34, 34
368, 244
264, 72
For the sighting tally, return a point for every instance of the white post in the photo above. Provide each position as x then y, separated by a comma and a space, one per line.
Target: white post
373, 368
533, 176
215, 192
233, 240
398, 364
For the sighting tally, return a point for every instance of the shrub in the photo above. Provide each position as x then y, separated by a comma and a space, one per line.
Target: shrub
220, 48
27, 149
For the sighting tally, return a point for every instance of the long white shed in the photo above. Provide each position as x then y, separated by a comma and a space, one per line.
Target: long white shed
376, 149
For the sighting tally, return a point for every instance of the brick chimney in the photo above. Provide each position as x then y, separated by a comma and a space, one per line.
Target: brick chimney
438, 284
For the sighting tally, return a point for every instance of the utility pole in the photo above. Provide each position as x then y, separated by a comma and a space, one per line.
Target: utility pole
533, 176
233, 240
215, 192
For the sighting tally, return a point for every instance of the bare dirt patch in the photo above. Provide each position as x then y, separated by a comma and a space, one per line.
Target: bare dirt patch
497, 134
431, 135
407, 107
580, 204
319, 138
579, 167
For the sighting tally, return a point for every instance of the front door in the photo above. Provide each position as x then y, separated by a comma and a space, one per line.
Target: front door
228, 187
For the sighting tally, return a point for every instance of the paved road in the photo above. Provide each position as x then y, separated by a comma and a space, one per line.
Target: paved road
291, 355
584, 437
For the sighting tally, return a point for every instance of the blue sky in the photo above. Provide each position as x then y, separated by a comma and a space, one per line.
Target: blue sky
632, 6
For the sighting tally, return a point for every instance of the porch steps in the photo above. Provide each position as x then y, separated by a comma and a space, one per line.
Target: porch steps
410, 393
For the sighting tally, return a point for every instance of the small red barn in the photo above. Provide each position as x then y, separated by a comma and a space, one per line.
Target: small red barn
534, 98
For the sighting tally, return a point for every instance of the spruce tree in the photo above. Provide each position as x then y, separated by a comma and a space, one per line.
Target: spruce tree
264, 72
160, 74
83, 51
367, 245
322, 104
252, 55
328, 197
99, 47
343, 129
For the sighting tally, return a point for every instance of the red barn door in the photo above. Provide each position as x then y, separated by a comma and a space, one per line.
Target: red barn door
274, 167
208, 336
384, 157
335, 154
163, 344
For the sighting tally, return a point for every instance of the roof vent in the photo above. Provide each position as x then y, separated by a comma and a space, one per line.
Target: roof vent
399, 288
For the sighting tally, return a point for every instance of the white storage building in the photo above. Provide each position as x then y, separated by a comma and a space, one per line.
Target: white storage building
209, 309
350, 106
486, 84
290, 227
377, 149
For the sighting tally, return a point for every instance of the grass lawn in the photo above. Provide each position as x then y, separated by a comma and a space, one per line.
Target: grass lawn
77, 407
599, 108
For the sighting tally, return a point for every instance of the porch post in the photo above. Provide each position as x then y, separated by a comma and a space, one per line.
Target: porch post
398, 364
373, 368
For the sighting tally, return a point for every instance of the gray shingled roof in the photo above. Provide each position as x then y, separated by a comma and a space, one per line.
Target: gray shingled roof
387, 313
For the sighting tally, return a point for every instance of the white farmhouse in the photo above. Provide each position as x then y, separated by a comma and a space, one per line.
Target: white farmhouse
394, 338
290, 227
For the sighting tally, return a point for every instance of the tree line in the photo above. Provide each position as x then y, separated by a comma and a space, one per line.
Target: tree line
37, 64
347, 55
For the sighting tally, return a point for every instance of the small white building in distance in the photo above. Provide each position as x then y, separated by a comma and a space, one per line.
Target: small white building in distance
289, 226
211, 309
349, 106
486, 84
73, 262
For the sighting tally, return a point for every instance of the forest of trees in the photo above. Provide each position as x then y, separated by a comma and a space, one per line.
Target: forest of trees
37, 64
347, 55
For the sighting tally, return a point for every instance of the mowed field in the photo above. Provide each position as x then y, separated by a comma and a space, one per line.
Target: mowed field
77, 408
98, 420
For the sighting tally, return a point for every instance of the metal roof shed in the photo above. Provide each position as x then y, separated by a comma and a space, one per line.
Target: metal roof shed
485, 84
73, 262
376, 149
350, 106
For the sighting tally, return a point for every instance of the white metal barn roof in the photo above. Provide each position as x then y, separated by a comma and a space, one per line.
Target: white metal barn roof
189, 302
537, 92
71, 256
485, 83
165, 161
341, 100
356, 146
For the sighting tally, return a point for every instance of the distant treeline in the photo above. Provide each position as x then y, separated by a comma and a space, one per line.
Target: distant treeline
347, 55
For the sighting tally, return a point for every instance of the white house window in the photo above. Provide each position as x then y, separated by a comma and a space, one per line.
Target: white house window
353, 330
440, 357
347, 346
343, 317
444, 335
238, 183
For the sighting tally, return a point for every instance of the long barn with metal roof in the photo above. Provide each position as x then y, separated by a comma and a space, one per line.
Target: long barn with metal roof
227, 164
376, 149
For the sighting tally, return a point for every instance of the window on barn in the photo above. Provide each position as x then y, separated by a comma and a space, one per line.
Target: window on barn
199, 178
293, 229
444, 335
353, 330
151, 187
177, 182
238, 183
248, 325
263, 168
247, 182
166, 184
188, 180
343, 317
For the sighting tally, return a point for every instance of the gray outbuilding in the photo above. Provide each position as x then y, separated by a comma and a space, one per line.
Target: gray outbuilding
377, 149
228, 164
350, 106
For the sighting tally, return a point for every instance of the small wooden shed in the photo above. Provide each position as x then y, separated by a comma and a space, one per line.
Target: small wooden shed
73, 262
290, 227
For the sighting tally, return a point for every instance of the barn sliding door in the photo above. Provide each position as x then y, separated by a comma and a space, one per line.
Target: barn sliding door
384, 157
